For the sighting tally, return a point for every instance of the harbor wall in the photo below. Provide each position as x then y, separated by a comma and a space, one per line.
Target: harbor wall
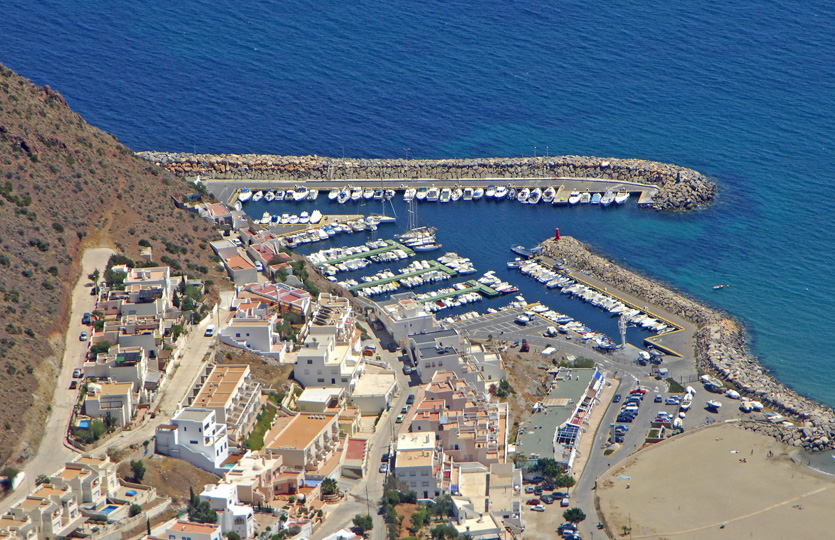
680, 188
720, 348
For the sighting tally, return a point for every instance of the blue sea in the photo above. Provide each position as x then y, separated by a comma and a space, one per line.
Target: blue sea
743, 91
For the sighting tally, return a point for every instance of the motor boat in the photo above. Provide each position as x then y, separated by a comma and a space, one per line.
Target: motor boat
388, 194
446, 195
315, 217
343, 196
421, 193
574, 198
595, 199
333, 194
535, 196
433, 194
368, 193
501, 192
300, 193
621, 197
312, 194
585, 198
378, 194
468, 194
269, 196
478, 193
548, 195
279, 195
607, 199
244, 194
524, 195
409, 194
257, 196
457, 194
356, 194
490, 192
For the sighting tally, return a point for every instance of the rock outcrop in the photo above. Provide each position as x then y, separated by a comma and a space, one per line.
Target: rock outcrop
679, 187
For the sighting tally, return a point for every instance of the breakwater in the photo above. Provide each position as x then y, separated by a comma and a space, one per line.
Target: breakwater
679, 187
720, 348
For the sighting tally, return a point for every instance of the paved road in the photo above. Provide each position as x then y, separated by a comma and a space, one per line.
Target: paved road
52, 453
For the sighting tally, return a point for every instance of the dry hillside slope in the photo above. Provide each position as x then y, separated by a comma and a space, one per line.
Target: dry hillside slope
64, 185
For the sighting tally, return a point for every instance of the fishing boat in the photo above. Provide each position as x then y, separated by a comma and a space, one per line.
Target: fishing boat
535, 196
501, 192
312, 194
368, 193
523, 195
548, 195
315, 217
257, 196
457, 194
269, 196
409, 194
478, 193
511, 194
333, 194
446, 195
300, 193
490, 192
433, 194
714, 405
244, 195
468, 194
574, 198
421, 193
621, 197
585, 198
521, 251
595, 199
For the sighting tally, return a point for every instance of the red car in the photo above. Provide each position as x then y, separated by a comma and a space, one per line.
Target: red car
533, 502
641, 391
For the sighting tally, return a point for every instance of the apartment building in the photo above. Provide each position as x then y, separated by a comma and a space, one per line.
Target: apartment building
325, 360
307, 441
196, 436
234, 395
232, 515
114, 399
402, 315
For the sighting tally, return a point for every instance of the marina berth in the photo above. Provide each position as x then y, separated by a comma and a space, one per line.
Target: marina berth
548, 195
269, 196
478, 193
257, 196
279, 195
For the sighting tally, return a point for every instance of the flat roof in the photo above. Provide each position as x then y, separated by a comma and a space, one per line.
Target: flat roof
302, 431
539, 431
414, 458
416, 441
430, 337
356, 449
219, 388
187, 526
111, 389
193, 414
317, 394
374, 384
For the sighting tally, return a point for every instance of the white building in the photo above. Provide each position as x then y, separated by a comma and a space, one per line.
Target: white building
195, 436
374, 391
113, 399
403, 316
324, 360
186, 530
253, 328
232, 515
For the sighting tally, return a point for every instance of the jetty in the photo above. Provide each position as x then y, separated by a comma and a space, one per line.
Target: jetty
391, 245
472, 286
433, 266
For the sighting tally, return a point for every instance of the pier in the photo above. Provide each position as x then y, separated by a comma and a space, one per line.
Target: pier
391, 246
295, 228
433, 266
473, 286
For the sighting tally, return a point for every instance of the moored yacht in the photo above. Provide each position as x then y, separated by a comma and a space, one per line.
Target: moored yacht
421, 193
490, 191
574, 198
501, 192
343, 196
300, 193
536, 195
511, 194
607, 198
433, 194
621, 197
549, 194
244, 194
312, 194
478, 193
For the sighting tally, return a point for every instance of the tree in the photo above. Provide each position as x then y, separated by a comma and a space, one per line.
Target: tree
94, 277
232, 535
443, 506
442, 532
134, 510
363, 523
419, 519
201, 512
564, 481
100, 347
574, 515
138, 469
329, 487
520, 460
41, 479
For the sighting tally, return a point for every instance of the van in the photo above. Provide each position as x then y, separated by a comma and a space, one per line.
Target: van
210, 331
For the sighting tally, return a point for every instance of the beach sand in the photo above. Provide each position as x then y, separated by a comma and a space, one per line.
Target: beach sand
688, 487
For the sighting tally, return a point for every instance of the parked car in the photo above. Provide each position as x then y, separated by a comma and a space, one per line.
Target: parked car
386, 457
73, 385
407, 370
77, 373
405, 409
547, 499
538, 490
528, 489
384, 468
559, 495
641, 391
538, 508
410, 399
566, 527
658, 398
532, 502
617, 398
400, 418
565, 502
83, 336
86, 319
673, 400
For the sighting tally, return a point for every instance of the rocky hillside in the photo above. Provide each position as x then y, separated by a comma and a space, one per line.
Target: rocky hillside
65, 185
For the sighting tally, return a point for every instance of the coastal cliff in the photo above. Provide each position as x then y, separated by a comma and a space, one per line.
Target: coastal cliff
679, 187
720, 348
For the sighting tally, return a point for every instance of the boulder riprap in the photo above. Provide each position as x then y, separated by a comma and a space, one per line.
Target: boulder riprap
679, 187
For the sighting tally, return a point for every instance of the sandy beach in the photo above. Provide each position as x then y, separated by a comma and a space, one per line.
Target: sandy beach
717, 482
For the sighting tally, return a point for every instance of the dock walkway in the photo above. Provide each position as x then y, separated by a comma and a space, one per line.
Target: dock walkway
474, 286
433, 266
391, 246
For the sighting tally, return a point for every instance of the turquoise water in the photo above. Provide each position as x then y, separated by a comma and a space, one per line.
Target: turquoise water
108, 509
743, 91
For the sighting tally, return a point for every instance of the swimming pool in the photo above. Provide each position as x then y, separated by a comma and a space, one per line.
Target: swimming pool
107, 509
84, 424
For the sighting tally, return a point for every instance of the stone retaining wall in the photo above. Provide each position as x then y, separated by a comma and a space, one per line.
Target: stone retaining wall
680, 188
720, 347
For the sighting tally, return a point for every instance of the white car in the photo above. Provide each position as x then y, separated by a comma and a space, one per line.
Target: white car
538, 508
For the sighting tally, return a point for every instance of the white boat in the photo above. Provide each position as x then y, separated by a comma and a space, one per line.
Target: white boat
289, 195
257, 196
244, 194
607, 199
446, 195
535, 196
343, 196
433, 194
300, 193
432, 246
293, 219
312, 194
279, 195
574, 198
389, 194
468, 194
421, 193
378, 194
621, 197
511, 194
479, 193
523, 195
269, 196
304, 217
457, 194
368, 193
285, 219
490, 191
409, 194
548, 195
714, 405
356, 194
266, 217
315, 217
585, 198
333, 194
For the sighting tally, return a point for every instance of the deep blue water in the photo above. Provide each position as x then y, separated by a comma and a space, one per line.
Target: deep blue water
743, 91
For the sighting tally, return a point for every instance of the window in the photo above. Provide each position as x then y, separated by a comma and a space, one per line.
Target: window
199, 430
238, 334
425, 484
193, 442
424, 473
320, 380
310, 361
411, 473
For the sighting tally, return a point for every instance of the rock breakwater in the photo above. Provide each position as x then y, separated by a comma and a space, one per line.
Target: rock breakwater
720, 348
679, 187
